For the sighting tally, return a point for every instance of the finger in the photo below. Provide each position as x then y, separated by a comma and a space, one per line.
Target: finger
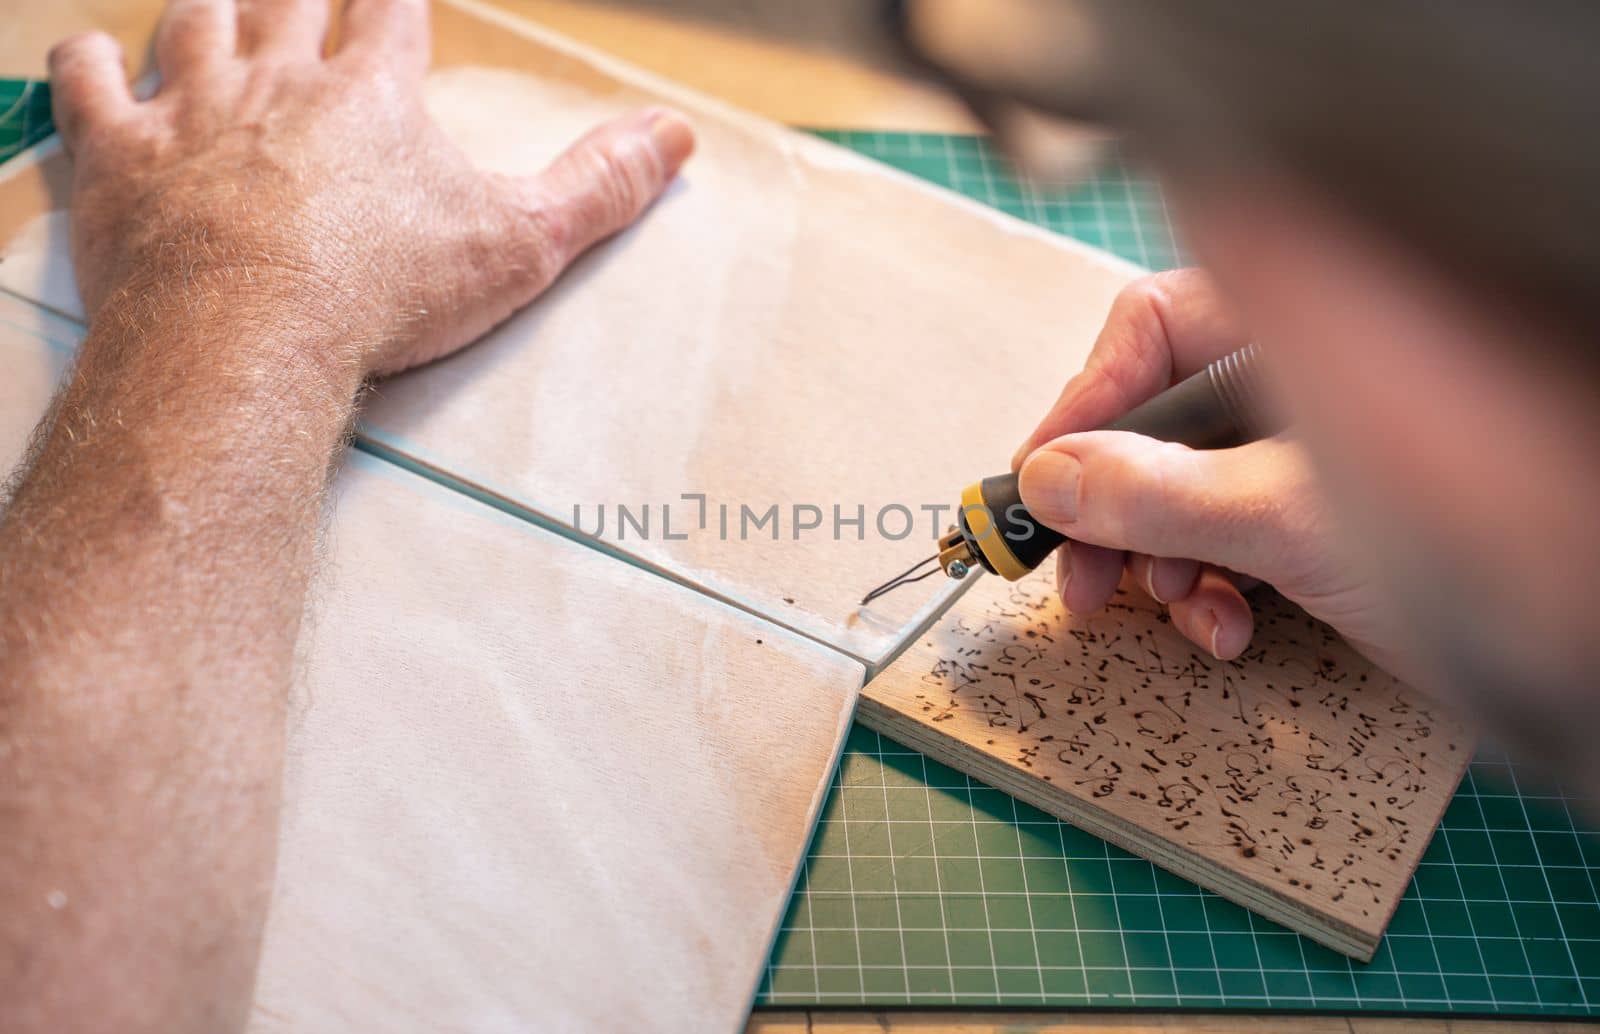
1160, 329
1248, 508
1215, 616
285, 29
387, 33
1095, 574
607, 179
1164, 579
88, 87
194, 35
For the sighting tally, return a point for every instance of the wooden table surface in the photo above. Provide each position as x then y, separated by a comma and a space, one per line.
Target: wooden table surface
795, 63
895, 1021
807, 64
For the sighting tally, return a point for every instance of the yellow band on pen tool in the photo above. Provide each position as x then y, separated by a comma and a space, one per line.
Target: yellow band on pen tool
1219, 407
980, 521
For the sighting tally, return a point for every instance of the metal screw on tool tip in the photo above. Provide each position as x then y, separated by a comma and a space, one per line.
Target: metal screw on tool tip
957, 569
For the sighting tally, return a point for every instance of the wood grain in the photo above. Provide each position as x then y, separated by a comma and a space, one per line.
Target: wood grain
1299, 780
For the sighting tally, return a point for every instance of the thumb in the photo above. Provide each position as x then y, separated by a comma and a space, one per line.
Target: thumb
607, 179
1246, 509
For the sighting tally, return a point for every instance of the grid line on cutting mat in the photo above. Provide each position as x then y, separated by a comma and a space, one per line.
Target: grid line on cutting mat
997, 903
923, 887
24, 115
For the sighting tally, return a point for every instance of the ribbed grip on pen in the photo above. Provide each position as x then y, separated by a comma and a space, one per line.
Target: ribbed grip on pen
1236, 378
1221, 406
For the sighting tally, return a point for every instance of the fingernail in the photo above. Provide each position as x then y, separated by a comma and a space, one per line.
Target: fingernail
1020, 455
1216, 626
1063, 572
1049, 486
673, 138
1150, 581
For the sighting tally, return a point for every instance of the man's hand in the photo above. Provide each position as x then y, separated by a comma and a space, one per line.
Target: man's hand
1194, 529
268, 230
262, 168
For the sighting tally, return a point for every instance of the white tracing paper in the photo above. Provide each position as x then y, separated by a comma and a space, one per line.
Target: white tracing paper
790, 330
532, 787
792, 325
529, 786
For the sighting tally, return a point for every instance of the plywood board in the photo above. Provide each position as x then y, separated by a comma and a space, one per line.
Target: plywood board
529, 786
1300, 780
790, 337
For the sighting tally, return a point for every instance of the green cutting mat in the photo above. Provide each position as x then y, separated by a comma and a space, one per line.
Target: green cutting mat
24, 115
923, 887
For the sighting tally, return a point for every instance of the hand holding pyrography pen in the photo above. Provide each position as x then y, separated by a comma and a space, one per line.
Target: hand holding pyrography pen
1221, 406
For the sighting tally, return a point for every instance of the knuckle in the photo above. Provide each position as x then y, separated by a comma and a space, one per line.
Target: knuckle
617, 182
1144, 301
1141, 299
1161, 501
1103, 483
77, 48
186, 19
1142, 494
1125, 359
1133, 350
184, 15
1296, 523
1137, 293
1163, 287
379, 87
381, 80
544, 236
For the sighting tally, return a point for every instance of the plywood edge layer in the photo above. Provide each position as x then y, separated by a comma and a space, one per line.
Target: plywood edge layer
883, 718
1094, 1020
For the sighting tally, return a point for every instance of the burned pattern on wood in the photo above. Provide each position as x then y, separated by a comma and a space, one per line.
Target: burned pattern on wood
1299, 779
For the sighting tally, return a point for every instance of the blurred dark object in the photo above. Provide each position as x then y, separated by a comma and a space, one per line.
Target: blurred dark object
1466, 130
1025, 68
821, 63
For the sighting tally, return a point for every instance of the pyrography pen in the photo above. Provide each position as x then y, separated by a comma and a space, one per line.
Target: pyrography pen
1221, 406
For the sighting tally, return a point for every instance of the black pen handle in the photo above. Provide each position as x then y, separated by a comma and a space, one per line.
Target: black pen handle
1219, 407
1223, 405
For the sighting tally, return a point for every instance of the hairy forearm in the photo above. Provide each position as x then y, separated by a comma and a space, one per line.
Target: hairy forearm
154, 560
296, 221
